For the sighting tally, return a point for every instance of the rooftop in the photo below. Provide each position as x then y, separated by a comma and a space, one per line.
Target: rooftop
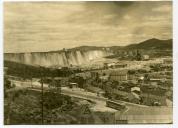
121, 72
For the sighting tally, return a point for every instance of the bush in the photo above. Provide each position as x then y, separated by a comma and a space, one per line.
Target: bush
55, 100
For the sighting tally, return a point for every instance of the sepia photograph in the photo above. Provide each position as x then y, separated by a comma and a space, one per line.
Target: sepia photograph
87, 62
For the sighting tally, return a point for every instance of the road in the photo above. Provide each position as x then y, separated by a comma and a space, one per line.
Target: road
94, 97
100, 105
77, 92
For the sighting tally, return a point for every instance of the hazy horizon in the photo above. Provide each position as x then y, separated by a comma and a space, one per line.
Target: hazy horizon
51, 26
86, 46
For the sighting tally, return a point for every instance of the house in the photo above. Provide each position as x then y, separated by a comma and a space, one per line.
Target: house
135, 89
134, 96
73, 85
145, 57
119, 75
141, 79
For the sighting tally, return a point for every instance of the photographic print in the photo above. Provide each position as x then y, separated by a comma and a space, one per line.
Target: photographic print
88, 62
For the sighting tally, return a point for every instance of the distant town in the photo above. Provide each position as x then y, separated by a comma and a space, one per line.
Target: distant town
90, 85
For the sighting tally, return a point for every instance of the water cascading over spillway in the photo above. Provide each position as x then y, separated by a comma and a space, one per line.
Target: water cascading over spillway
64, 58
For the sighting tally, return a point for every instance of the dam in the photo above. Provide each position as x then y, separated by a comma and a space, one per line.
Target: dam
62, 58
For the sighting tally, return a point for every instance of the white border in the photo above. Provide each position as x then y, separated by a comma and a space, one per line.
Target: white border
175, 62
175, 75
81, 0
1, 65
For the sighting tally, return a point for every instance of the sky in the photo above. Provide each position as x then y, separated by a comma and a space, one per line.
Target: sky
49, 26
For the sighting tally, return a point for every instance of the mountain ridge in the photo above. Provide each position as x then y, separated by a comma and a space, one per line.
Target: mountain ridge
153, 43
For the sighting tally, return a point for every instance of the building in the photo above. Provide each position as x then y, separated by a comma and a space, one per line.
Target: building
114, 65
119, 75
94, 74
104, 78
154, 84
132, 77
109, 65
145, 57
120, 65
156, 80
134, 96
73, 85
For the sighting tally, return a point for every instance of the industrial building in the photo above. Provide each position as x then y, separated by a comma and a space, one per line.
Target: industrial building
118, 75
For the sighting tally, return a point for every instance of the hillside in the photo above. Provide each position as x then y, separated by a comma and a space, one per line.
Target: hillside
152, 44
29, 71
83, 55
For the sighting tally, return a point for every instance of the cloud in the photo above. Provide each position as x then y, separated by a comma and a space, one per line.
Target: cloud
32, 26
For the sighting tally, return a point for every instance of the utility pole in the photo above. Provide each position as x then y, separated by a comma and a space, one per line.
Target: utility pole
31, 78
41, 75
31, 82
9, 108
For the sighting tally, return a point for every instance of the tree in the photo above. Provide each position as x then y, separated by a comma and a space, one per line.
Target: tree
54, 100
131, 72
138, 56
146, 77
7, 83
24, 109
